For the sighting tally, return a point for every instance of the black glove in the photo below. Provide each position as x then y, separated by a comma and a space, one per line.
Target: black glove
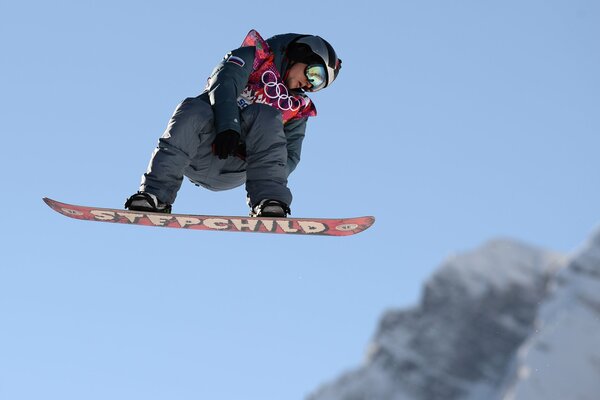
225, 144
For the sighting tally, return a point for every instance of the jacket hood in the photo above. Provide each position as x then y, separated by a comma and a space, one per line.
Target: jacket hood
279, 45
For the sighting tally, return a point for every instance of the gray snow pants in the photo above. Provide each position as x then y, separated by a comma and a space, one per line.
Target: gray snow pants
185, 149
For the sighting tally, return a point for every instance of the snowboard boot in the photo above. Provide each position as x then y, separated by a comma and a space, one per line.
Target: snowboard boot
270, 208
144, 201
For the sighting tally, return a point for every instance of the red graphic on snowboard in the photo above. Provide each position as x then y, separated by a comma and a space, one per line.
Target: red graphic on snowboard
302, 226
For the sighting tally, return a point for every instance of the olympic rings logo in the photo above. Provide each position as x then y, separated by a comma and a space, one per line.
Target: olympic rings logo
277, 90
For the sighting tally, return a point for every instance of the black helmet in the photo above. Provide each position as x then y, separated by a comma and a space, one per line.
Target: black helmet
314, 49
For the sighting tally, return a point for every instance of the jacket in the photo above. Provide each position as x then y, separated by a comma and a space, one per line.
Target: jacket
236, 75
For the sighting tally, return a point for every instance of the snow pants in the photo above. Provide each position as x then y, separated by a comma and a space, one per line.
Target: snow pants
185, 149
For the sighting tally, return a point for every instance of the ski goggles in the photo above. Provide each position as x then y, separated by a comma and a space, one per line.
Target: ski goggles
317, 76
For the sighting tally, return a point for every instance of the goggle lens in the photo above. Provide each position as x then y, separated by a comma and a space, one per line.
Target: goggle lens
317, 76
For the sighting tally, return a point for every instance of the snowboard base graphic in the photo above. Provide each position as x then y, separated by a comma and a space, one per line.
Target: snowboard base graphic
298, 226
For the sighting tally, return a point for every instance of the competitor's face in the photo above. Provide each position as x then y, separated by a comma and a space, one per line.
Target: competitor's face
296, 78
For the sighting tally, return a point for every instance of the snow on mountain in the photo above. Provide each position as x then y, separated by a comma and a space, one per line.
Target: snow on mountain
476, 333
562, 359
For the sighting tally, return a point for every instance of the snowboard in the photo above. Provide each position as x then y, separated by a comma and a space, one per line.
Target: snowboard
294, 226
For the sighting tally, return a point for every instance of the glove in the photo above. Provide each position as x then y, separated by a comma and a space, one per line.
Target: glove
225, 144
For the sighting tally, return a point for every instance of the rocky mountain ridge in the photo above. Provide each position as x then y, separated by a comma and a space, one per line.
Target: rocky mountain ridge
494, 323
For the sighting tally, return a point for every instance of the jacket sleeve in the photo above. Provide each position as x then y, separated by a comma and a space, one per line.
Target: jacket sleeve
225, 84
294, 132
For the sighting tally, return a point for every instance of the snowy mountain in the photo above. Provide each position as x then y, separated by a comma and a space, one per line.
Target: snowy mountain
562, 359
506, 321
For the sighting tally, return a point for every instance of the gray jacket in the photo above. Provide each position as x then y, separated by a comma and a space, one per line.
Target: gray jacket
227, 82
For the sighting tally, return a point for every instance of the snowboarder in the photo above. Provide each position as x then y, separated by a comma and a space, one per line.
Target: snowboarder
246, 127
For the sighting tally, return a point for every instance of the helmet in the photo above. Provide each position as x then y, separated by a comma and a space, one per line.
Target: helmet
314, 49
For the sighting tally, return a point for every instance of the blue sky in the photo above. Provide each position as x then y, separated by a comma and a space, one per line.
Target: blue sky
452, 122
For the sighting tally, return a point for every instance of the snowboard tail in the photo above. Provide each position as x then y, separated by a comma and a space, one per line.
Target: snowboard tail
298, 226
